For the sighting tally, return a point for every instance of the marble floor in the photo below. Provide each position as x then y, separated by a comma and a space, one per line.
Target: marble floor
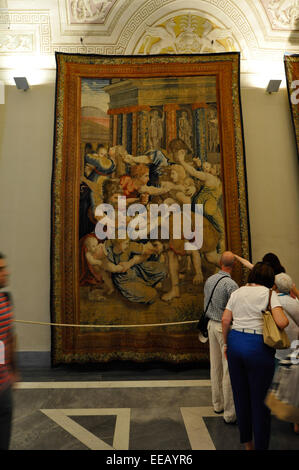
124, 407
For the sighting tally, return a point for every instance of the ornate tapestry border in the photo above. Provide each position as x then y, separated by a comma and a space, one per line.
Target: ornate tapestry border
291, 63
58, 270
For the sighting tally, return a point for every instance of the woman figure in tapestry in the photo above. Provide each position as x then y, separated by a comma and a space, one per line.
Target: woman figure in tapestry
209, 195
97, 164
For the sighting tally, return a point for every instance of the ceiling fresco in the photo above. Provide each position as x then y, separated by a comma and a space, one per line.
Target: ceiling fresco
259, 29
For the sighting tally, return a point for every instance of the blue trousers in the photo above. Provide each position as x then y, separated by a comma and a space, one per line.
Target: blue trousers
251, 368
5, 417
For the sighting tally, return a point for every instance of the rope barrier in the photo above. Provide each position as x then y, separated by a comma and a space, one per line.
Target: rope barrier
104, 326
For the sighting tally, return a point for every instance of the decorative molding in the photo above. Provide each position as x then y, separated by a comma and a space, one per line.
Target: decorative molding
16, 43
282, 14
221, 14
90, 49
35, 23
89, 11
148, 27
186, 34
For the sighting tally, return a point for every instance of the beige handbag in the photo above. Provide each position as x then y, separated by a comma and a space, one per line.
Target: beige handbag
273, 336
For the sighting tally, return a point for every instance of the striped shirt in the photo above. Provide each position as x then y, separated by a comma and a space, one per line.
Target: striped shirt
6, 320
221, 294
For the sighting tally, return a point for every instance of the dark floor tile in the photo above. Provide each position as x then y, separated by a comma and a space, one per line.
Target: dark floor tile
101, 426
37, 432
224, 436
283, 436
159, 429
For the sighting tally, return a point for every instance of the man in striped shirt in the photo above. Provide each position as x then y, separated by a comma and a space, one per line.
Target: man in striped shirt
8, 374
222, 396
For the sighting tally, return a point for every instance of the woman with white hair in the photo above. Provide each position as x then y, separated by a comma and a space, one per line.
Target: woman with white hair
284, 286
284, 283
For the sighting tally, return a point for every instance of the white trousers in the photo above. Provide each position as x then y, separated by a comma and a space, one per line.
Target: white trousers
222, 395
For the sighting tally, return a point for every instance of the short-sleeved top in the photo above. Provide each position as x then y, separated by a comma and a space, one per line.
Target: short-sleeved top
220, 295
247, 304
6, 325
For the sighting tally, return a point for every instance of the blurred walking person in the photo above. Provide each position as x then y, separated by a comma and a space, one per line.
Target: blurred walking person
8, 373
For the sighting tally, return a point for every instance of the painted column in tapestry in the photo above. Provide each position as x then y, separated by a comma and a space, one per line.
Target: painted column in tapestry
142, 145
171, 128
114, 142
129, 133
134, 131
201, 135
119, 129
124, 131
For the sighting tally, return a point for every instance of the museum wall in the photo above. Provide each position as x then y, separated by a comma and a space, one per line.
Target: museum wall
26, 151
25, 193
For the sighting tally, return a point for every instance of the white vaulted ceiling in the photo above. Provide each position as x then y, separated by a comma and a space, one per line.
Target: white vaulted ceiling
262, 30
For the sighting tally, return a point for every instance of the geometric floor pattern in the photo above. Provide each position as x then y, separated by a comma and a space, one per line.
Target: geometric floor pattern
126, 415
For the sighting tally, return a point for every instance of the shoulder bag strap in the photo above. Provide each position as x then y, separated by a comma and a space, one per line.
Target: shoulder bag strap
269, 301
208, 304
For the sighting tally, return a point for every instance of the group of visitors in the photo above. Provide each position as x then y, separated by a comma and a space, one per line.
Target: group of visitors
242, 365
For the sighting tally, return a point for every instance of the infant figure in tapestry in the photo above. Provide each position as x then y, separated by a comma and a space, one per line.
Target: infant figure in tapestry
179, 189
183, 186
99, 265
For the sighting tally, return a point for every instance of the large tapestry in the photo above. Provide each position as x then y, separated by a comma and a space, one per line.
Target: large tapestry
291, 62
148, 189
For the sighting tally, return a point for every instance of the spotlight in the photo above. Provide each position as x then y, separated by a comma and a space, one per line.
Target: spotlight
273, 86
21, 83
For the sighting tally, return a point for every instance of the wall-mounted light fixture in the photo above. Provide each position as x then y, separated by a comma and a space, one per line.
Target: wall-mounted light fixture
21, 83
273, 86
